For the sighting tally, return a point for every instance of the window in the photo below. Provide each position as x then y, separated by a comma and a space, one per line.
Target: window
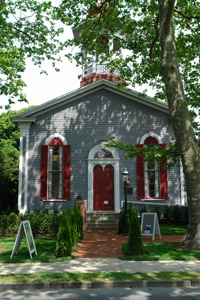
55, 171
151, 171
152, 179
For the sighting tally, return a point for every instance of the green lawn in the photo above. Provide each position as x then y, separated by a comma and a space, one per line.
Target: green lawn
45, 248
163, 251
102, 276
173, 229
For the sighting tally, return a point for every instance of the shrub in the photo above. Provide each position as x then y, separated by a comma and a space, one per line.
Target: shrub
70, 231
3, 224
144, 209
158, 211
135, 244
185, 215
8, 210
167, 214
176, 214
12, 224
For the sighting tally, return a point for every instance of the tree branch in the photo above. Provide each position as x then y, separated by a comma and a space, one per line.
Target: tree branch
25, 33
185, 16
156, 37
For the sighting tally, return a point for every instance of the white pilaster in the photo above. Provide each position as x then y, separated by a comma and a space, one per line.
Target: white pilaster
23, 166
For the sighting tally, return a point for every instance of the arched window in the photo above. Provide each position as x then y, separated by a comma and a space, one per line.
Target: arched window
55, 170
152, 179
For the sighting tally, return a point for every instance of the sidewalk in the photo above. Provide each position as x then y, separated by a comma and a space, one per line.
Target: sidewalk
91, 265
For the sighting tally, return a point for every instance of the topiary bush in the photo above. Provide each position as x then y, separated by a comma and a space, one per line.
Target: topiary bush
70, 231
135, 244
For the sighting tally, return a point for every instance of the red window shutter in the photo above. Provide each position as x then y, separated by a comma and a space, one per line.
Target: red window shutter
163, 177
66, 171
43, 172
140, 174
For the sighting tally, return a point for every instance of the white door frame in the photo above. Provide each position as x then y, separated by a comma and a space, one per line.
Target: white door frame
92, 162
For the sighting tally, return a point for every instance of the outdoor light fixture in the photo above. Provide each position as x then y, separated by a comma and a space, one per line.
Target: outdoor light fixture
125, 176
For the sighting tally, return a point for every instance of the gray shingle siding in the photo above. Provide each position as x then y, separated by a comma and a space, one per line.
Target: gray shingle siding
84, 123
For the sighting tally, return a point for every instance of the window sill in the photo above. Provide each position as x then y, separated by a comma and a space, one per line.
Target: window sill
153, 199
54, 200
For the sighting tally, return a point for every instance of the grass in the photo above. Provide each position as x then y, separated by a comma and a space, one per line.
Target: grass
163, 251
173, 229
45, 249
102, 276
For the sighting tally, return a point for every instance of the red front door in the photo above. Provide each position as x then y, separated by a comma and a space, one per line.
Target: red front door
103, 187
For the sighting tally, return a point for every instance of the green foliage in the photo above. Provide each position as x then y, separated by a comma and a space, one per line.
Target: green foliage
13, 224
176, 214
143, 210
9, 159
135, 244
28, 29
3, 224
41, 223
70, 231
167, 214
157, 210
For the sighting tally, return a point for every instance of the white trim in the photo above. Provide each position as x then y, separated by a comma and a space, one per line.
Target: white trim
24, 133
103, 162
182, 181
55, 135
150, 133
20, 176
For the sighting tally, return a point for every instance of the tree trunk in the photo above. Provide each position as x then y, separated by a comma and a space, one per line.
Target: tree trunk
181, 121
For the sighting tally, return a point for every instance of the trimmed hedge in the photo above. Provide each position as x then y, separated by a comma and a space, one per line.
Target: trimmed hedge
42, 223
70, 231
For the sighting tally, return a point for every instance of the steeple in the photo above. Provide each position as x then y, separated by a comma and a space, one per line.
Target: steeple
98, 70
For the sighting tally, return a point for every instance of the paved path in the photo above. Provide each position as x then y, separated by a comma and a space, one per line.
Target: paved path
107, 243
89, 265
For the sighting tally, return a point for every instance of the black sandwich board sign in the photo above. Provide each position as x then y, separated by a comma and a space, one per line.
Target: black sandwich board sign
150, 225
24, 228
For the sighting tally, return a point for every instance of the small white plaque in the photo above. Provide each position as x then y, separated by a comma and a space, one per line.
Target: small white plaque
105, 202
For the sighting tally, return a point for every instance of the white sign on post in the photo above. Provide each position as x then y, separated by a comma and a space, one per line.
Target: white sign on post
150, 225
24, 228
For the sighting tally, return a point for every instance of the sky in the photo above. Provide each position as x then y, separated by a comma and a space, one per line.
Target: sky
41, 88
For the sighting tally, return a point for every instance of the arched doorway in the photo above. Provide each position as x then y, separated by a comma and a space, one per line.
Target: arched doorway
103, 179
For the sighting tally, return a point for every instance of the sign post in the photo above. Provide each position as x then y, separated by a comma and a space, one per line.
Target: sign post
150, 225
24, 228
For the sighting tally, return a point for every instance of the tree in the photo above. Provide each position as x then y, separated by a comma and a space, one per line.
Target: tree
9, 159
162, 38
27, 29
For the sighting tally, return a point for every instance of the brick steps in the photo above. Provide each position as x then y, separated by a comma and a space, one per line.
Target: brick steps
102, 220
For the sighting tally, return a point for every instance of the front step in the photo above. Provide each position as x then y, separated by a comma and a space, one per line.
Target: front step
102, 220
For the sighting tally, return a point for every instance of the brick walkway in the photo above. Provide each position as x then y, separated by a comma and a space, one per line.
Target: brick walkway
107, 244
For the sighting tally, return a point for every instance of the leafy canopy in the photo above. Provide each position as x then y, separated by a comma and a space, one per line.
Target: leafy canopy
134, 26
27, 29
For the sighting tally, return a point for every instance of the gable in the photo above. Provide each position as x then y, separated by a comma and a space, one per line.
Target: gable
87, 92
